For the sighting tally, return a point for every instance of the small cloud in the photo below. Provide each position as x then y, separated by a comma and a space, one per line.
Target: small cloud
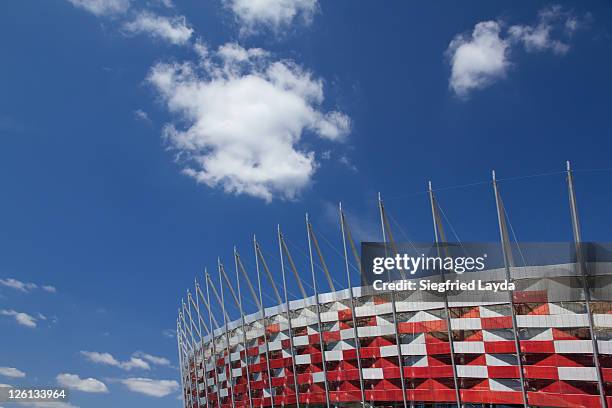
102, 7
326, 155
171, 29
274, 15
347, 162
25, 287
74, 382
142, 115
480, 59
18, 285
21, 318
539, 37
11, 372
153, 359
169, 333
109, 359
150, 387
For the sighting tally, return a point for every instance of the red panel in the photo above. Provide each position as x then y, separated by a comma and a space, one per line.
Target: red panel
537, 346
503, 371
563, 400
503, 322
499, 347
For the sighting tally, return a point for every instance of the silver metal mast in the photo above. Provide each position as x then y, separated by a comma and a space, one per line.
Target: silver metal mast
182, 317
213, 356
400, 356
264, 324
288, 309
227, 361
509, 263
352, 300
202, 348
195, 349
581, 263
439, 233
317, 306
296, 275
186, 357
244, 333
180, 355
212, 338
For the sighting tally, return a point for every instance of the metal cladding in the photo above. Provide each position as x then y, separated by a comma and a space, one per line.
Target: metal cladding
535, 348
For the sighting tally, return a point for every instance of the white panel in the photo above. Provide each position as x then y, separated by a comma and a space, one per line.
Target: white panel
388, 351
372, 331
467, 323
367, 310
346, 334
302, 359
329, 316
318, 377
602, 320
573, 346
605, 346
372, 373
552, 321
577, 373
467, 371
237, 372
471, 347
333, 355
414, 349
300, 341
274, 345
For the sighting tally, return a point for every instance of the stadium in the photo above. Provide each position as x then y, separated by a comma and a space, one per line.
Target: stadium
548, 343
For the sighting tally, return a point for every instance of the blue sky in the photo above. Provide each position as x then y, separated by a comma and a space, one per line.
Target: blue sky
141, 140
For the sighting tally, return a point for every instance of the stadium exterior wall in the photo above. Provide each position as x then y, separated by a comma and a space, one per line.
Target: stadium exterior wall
556, 350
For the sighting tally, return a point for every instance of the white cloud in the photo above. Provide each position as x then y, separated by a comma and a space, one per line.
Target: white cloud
49, 288
108, 359
18, 285
74, 382
11, 372
150, 387
171, 29
23, 319
483, 57
25, 287
48, 405
344, 160
153, 359
169, 333
538, 37
271, 14
478, 59
142, 115
102, 7
244, 119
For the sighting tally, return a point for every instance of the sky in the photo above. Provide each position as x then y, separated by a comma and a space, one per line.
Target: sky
142, 140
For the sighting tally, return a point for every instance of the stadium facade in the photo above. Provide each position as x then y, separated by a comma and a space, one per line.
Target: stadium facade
546, 344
